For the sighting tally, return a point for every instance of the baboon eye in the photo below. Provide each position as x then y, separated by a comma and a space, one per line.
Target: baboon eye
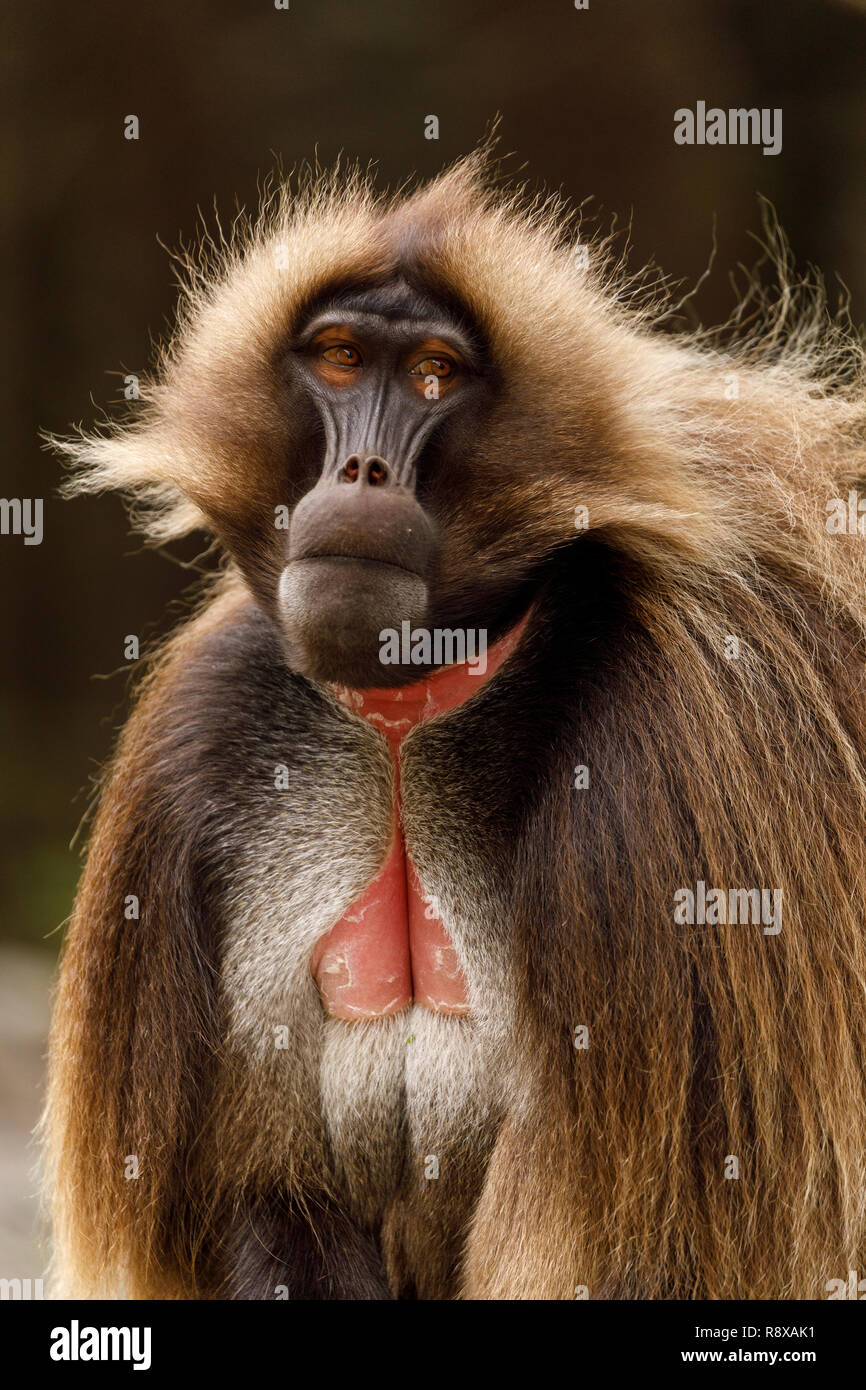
433, 366
342, 355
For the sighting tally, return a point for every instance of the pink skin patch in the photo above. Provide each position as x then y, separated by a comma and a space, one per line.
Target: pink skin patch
363, 966
390, 949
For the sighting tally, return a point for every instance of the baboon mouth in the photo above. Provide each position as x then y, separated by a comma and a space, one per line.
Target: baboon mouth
366, 561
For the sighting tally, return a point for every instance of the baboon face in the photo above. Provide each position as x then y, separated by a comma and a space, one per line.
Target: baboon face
394, 383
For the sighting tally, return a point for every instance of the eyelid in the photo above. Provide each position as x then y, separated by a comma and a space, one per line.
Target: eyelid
337, 333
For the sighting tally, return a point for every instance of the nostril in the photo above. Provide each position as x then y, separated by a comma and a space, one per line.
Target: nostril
378, 473
350, 470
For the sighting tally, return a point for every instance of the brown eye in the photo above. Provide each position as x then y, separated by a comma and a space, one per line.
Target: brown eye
342, 355
433, 366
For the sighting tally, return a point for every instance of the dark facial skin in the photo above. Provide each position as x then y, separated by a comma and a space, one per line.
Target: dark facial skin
389, 372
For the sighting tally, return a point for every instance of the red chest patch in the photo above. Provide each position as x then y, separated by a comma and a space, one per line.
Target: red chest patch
390, 949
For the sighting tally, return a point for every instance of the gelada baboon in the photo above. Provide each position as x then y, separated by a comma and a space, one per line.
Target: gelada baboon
495, 825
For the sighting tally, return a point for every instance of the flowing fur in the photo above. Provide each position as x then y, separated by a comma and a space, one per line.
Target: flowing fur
706, 520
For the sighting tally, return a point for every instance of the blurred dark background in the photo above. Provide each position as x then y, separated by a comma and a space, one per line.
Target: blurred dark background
225, 88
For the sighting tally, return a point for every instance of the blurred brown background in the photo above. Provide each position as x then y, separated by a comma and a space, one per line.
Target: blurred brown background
222, 90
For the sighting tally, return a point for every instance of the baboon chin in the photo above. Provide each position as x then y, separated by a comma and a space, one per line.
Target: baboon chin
417, 1001
334, 610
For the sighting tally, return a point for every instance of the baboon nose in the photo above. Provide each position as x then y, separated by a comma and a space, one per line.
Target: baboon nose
367, 469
